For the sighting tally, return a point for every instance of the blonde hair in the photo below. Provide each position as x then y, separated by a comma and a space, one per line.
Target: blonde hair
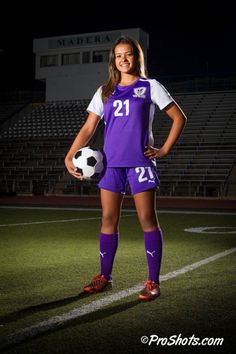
114, 75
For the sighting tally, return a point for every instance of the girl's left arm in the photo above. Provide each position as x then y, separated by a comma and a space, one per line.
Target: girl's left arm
178, 123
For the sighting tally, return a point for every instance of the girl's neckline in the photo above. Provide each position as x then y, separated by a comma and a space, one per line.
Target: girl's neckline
124, 86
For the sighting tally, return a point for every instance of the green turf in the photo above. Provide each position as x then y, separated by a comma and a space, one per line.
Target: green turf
43, 268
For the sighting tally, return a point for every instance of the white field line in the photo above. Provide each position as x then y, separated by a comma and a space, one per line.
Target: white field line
99, 217
161, 211
55, 221
57, 321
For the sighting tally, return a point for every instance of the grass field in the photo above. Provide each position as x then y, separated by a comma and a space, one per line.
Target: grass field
48, 255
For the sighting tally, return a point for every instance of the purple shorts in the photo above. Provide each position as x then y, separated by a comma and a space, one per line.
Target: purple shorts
139, 179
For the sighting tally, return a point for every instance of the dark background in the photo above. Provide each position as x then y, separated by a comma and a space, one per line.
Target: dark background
186, 40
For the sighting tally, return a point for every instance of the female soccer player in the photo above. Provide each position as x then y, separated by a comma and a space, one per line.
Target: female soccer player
127, 103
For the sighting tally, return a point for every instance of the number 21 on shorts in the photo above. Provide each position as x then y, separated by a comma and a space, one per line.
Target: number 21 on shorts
145, 174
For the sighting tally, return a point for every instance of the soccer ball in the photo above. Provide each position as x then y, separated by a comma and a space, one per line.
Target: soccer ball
89, 162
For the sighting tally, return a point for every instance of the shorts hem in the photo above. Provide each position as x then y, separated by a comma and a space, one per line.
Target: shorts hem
144, 190
110, 190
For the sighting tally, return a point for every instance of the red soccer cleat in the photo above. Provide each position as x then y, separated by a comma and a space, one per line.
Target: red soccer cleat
99, 283
150, 292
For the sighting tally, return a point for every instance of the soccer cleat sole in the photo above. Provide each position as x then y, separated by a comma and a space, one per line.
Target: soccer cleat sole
150, 298
89, 290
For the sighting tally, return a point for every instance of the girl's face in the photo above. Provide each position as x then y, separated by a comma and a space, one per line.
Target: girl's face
124, 58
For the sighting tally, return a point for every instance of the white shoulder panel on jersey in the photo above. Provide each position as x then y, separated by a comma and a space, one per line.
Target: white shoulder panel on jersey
159, 94
96, 104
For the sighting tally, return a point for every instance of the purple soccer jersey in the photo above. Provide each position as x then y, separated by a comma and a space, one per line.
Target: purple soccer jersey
128, 116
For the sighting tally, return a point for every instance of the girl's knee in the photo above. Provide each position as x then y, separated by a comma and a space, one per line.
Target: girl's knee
109, 219
148, 221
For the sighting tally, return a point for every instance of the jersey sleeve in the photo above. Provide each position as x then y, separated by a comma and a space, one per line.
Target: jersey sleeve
96, 104
159, 95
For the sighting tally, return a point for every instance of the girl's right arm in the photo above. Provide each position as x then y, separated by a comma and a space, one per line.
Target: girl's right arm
83, 137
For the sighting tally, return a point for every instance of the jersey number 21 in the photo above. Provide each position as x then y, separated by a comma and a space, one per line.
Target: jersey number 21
122, 108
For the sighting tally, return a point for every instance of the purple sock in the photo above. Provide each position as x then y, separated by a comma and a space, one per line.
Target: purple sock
153, 246
108, 247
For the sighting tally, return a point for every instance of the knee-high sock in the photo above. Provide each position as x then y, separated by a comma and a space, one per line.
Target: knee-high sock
108, 247
153, 246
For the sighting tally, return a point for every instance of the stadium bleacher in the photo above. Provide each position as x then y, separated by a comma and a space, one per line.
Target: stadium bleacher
34, 142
